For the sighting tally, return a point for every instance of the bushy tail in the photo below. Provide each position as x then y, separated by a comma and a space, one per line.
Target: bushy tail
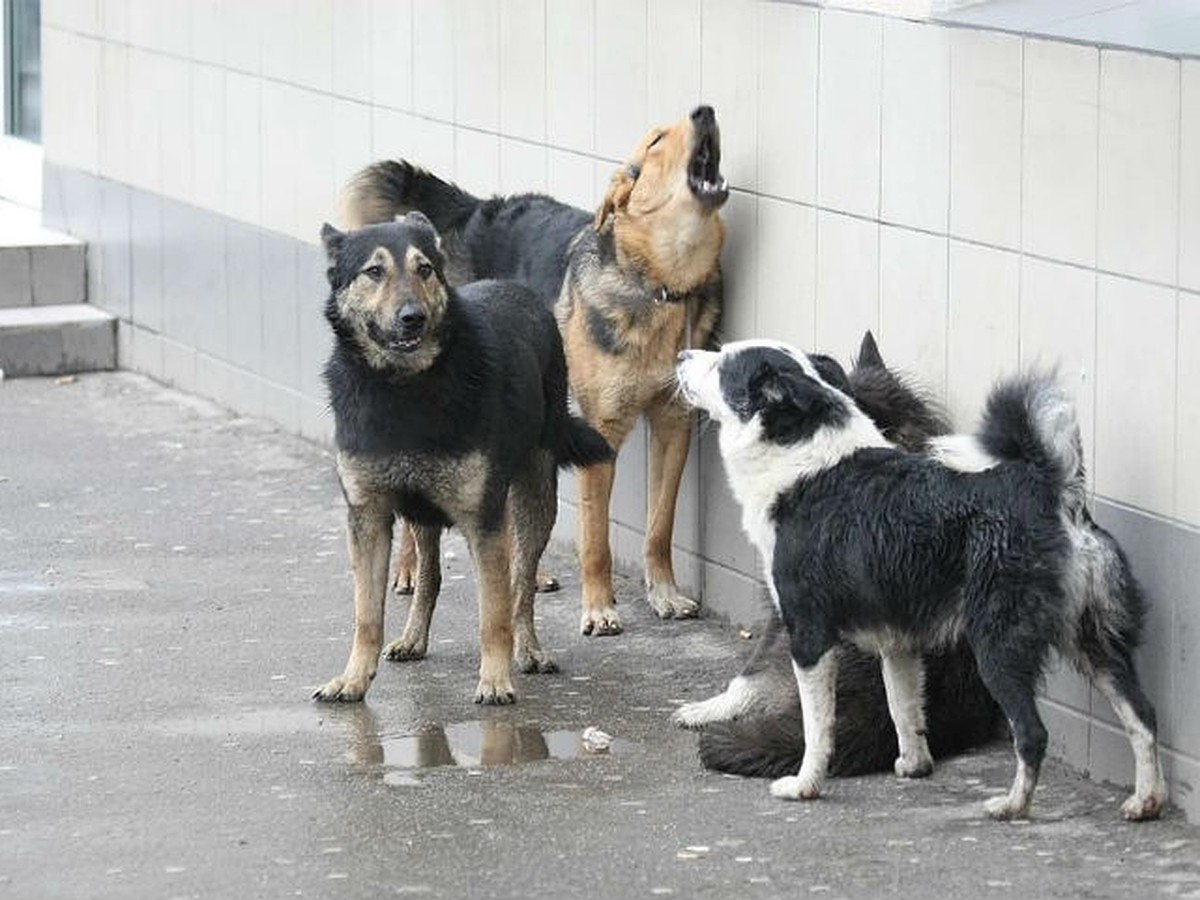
1031, 418
386, 189
581, 445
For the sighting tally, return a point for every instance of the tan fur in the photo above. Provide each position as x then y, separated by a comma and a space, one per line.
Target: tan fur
663, 238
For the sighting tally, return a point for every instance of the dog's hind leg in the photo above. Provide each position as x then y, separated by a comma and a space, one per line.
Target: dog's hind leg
405, 573
414, 640
599, 616
670, 436
491, 550
1119, 683
817, 685
369, 537
904, 682
1014, 692
533, 501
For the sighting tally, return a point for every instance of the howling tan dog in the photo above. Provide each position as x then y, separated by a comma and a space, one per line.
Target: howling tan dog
632, 285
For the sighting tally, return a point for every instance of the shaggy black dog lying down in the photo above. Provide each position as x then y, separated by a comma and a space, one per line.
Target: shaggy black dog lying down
754, 727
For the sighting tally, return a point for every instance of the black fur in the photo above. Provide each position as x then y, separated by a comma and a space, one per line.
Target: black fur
523, 237
961, 713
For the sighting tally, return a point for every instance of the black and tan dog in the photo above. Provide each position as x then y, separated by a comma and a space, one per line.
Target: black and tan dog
632, 284
450, 408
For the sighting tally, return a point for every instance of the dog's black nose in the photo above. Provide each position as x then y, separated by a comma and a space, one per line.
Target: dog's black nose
703, 115
411, 317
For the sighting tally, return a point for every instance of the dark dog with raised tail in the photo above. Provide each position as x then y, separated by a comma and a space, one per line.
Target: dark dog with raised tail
987, 538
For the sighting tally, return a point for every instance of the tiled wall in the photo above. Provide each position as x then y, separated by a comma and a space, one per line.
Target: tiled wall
981, 200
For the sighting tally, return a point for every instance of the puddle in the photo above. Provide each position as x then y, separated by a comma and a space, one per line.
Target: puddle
470, 745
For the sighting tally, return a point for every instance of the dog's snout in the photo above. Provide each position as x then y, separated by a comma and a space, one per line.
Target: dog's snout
684, 356
411, 317
703, 115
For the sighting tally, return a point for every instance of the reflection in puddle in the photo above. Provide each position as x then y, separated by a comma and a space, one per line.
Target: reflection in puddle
467, 744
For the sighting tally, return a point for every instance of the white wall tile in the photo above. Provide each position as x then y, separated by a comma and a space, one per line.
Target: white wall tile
243, 147
570, 74
173, 90
433, 146
787, 272
739, 267
1135, 393
847, 282
985, 137
1058, 329
277, 49
351, 140
433, 57
620, 89
729, 83
392, 136
114, 20
70, 92
477, 161
206, 25
151, 25
522, 167
913, 302
476, 62
392, 53
80, 16
312, 51
145, 162
1187, 448
523, 69
1058, 208
848, 114
316, 190
570, 178
278, 163
208, 137
113, 115
787, 101
915, 163
673, 66
1189, 187
241, 35
353, 49
982, 327
1139, 165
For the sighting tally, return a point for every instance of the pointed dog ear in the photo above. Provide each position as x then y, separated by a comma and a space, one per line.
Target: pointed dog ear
333, 240
620, 186
868, 354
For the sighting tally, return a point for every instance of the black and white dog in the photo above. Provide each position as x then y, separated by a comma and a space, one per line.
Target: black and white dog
754, 727
988, 538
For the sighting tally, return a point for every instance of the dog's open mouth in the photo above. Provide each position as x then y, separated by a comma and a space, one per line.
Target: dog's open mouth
398, 342
704, 170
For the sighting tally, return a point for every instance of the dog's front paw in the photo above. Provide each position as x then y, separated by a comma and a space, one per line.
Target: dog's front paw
601, 621
405, 579
1004, 808
343, 689
531, 661
668, 603
915, 766
495, 693
796, 787
1141, 809
405, 649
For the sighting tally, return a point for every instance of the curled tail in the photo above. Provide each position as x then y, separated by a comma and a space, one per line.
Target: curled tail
1031, 418
386, 189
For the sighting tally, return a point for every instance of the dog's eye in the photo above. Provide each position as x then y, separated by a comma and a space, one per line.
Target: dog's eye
424, 270
375, 272
658, 137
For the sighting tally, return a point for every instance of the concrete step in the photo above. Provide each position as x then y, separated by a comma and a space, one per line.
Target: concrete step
38, 266
56, 340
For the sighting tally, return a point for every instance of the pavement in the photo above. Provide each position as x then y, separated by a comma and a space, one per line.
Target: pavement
173, 585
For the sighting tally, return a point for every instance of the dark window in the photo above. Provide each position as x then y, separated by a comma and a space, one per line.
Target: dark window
23, 69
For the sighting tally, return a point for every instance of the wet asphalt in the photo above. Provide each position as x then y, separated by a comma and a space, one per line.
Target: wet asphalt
174, 584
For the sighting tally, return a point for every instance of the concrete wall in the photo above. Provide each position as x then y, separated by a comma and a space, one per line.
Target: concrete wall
981, 200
